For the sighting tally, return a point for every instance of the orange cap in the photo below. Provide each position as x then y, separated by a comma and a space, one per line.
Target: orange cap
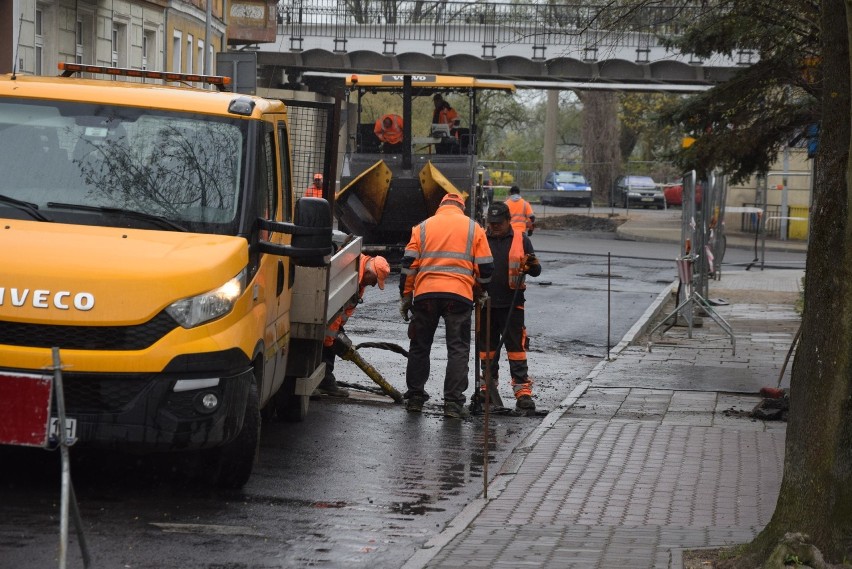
318, 176
453, 198
382, 270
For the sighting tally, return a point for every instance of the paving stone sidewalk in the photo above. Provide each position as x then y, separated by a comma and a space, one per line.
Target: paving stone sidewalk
654, 453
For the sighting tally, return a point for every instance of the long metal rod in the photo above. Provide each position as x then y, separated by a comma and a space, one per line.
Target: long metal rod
66, 468
488, 386
68, 498
608, 302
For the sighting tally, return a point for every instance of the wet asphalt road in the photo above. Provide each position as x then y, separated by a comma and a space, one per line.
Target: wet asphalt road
359, 483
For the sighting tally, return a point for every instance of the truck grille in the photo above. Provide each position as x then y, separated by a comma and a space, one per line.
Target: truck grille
87, 337
96, 394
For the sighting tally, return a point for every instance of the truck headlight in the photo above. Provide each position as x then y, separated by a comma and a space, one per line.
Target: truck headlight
196, 310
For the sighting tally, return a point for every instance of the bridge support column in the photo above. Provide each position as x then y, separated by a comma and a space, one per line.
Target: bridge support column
551, 121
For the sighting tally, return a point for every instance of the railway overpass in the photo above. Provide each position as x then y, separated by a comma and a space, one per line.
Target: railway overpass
544, 45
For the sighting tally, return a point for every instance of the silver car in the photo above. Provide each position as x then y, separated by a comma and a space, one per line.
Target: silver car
638, 191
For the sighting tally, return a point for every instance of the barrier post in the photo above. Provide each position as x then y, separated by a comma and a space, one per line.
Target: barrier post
25, 405
692, 299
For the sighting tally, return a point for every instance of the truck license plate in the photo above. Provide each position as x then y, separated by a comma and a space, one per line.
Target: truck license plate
70, 428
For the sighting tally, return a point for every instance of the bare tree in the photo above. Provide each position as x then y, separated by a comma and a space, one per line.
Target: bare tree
601, 153
802, 78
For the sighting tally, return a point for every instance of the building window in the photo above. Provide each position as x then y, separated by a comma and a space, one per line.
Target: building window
78, 40
200, 57
114, 58
189, 51
149, 49
144, 51
119, 45
39, 42
176, 47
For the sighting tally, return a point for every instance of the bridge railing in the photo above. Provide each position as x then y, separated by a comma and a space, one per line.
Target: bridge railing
486, 24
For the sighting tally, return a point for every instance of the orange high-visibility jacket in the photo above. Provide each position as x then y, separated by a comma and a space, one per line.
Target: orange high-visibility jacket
516, 259
447, 253
313, 192
521, 212
349, 308
392, 134
445, 115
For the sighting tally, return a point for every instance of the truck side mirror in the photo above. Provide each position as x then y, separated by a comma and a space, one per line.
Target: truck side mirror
312, 245
314, 213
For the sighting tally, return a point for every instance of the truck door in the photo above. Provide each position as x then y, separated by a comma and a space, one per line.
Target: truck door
274, 176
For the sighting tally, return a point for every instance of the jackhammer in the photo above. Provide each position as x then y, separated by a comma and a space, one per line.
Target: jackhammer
344, 349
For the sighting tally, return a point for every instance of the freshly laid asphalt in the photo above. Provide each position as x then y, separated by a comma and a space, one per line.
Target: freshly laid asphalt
655, 452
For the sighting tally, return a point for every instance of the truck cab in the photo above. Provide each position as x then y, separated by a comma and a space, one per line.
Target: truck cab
150, 232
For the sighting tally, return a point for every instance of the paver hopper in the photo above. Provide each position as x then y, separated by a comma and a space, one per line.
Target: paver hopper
386, 190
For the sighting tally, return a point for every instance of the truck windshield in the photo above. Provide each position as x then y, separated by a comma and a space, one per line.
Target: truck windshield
182, 167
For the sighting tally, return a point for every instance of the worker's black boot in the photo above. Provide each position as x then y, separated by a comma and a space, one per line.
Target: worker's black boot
525, 405
328, 386
454, 410
414, 404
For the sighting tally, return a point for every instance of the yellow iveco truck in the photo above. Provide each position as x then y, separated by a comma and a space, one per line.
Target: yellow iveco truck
151, 234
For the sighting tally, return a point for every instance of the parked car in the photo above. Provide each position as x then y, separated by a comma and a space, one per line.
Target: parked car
674, 194
563, 187
638, 191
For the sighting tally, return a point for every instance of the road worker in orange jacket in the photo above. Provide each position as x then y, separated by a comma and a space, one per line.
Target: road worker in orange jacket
444, 113
514, 258
523, 218
372, 271
315, 189
388, 129
445, 259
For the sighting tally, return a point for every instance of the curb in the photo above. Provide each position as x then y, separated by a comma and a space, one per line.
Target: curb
516, 458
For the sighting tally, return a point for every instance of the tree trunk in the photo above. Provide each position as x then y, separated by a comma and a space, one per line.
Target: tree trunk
601, 156
816, 491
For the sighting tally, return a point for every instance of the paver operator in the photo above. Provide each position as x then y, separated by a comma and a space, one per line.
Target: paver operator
371, 271
444, 113
445, 259
523, 218
315, 189
514, 258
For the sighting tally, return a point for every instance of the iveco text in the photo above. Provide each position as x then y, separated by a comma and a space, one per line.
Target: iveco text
45, 299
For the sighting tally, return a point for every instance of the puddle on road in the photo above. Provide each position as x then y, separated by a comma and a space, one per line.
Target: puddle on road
421, 506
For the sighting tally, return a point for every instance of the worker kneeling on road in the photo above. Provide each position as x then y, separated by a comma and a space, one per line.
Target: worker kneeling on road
446, 256
514, 258
388, 129
371, 271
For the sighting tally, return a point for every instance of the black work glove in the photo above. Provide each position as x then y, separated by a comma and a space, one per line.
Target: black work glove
405, 307
342, 345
